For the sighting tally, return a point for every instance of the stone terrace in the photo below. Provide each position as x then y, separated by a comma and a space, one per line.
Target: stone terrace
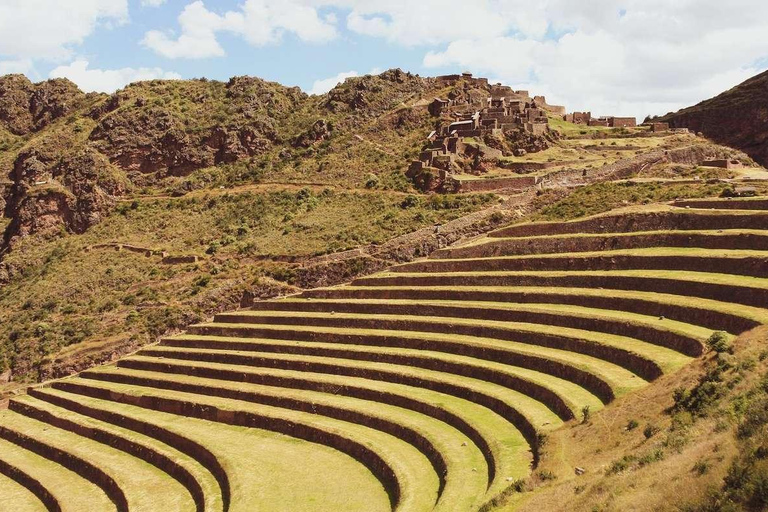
424, 387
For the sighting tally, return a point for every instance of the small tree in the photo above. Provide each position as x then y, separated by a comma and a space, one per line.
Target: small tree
718, 342
585, 414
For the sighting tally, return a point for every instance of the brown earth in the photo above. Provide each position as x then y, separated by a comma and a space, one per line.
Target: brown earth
737, 118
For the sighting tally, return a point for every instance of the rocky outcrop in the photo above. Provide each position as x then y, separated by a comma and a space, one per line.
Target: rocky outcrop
737, 118
318, 132
143, 132
26, 107
372, 95
51, 192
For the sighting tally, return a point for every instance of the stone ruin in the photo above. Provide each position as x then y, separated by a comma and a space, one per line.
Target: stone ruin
725, 163
607, 121
499, 113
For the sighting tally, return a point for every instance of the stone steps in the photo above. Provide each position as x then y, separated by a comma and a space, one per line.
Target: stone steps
594, 242
719, 287
701, 314
407, 475
741, 263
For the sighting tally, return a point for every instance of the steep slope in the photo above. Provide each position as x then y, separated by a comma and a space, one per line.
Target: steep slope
132, 215
737, 118
446, 384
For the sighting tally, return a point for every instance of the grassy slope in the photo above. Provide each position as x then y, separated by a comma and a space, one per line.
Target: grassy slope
67, 296
682, 463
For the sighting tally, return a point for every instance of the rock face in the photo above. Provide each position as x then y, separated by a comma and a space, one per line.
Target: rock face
144, 129
736, 118
48, 193
26, 107
373, 95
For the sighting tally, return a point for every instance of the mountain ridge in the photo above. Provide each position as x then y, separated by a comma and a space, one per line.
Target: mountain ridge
737, 118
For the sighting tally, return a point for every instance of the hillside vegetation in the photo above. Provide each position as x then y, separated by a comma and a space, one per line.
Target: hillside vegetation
736, 118
229, 297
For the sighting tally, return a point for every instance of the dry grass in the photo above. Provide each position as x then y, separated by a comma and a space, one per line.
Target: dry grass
694, 455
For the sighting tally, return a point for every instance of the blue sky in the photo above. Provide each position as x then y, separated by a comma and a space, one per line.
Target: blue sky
619, 57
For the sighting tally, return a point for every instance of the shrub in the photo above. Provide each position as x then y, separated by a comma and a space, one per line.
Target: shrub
585, 414
701, 467
718, 342
650, 430
546, 475
633, 424
410, 201
621, 464
371, 181
648, 458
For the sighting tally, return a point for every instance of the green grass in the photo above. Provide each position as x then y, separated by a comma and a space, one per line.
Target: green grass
667, 359
466, 479
149, 444
700, 277
418, 480
557, 236
643, 251
65, 485
256, 462
621, 379
65, 302
758, 314
603, 197
14, 496
564, 309
538, 414
144, 485
508, 447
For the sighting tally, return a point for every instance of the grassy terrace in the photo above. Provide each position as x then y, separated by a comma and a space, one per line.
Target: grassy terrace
636, 218
416, 484
142, 485
14, 496
528, 295
429, 386
66, 486
749, 236
456, 459
254, 459
504, 448
468, 309
505, 358
738, 262
507, 330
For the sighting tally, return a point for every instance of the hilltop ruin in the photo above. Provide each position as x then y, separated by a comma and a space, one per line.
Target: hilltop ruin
478, 123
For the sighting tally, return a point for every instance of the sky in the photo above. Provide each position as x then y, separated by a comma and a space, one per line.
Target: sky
611, 57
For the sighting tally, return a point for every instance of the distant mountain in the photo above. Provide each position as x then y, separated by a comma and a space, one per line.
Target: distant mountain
736, 118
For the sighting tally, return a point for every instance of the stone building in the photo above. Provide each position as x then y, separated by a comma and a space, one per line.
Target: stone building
723, 163
578, 117
622, 122
478, 110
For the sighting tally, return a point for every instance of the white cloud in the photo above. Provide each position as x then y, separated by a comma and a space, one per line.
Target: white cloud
107, 80
259, 22
656, 57
47, 29
15, 66
152, 3
326, 84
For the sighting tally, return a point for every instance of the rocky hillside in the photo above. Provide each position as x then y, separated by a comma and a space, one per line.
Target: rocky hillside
131, 215
737, 118
243, 180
